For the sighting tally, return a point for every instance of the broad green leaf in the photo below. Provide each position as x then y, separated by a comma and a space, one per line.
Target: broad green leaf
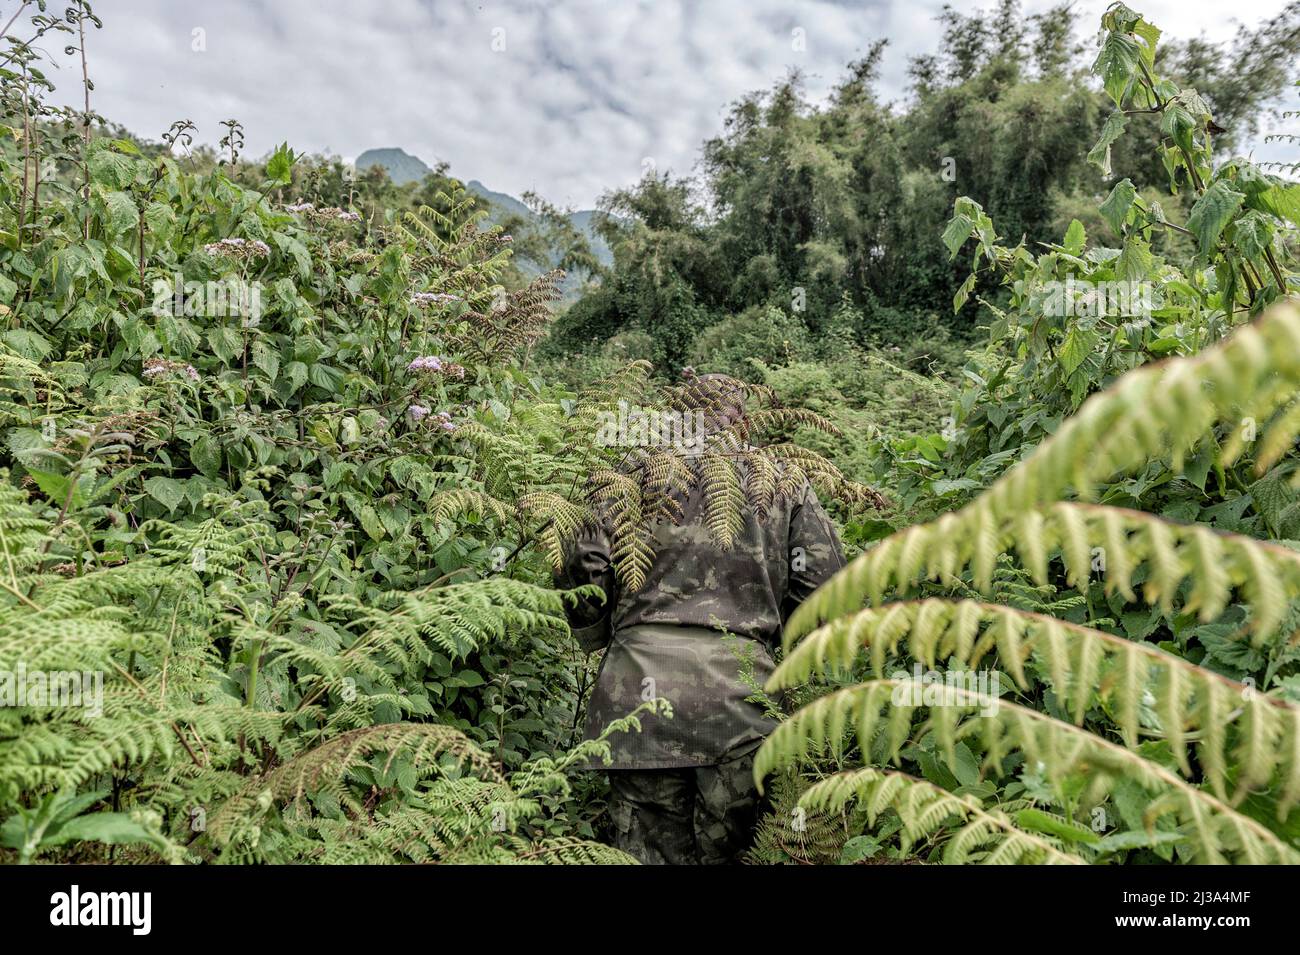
371, 523
279, 168
296, 250
1184, 116
166, 491
296, 374
1280, 199
112, 828
1078, 345
1150, 33
121, 212
266, 358
1116, 64
963, 292
1212, 212
225, 342
28, 343
55, 487
1099, 155
159, 219
205, 454
112, 170
1134, 262
1252, 233
1075, 237
1116, 208
956, 233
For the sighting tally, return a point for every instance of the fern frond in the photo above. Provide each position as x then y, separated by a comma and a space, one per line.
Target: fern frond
879, 712
1085, 666
1163, 409
1212, 564
451, 504
985, 835
724, 499
324, 769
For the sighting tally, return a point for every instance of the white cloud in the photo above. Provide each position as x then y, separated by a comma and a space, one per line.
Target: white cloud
583, 92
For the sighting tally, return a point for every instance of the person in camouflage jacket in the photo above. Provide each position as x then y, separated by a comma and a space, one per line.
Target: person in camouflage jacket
700, 633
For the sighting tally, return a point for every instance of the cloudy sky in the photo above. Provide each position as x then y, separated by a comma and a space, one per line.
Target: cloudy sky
566, 98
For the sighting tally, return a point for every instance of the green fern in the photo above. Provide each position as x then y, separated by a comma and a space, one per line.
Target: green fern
1244, 741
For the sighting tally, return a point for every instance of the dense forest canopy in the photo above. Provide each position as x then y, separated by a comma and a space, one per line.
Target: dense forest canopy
831, 214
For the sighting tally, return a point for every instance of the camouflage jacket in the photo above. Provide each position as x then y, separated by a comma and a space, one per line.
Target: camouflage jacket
700, 633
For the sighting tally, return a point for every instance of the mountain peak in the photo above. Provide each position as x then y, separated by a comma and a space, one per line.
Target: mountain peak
402, 166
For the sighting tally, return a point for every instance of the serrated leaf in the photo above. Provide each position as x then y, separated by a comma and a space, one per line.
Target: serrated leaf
957, 232
1078, 345
166, 491
205, 455
121, 212
111, 169
266, 358
963, 292
1117, 205
112, 828
159, 219
1111, 130
371, 523
1116, 64
1212, 212
55, 487
1039, 821
225, 342
1134, 262
1252, 234
296, 374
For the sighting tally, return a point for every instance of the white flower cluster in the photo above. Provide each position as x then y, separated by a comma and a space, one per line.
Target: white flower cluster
325, 212
238, 248
433, 298
157, 367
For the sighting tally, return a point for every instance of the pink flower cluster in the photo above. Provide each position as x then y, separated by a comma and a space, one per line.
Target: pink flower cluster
442, 420
157, 367
432, 363
425, 363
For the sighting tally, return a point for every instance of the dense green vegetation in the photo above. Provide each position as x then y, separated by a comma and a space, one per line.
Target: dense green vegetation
1101, 557
289, 456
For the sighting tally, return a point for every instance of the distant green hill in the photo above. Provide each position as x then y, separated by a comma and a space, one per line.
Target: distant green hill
402, 168
508, 204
